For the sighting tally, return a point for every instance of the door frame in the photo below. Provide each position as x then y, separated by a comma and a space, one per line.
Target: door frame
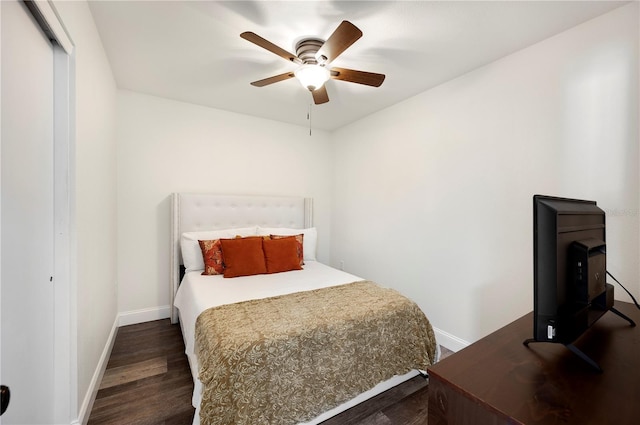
64, 247
65, 361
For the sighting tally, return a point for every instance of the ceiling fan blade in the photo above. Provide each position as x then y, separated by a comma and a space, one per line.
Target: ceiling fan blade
360, 77
344, 36
320, 95
266, 44
274, 79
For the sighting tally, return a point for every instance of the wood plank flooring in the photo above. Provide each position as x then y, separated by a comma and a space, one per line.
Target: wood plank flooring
148, 382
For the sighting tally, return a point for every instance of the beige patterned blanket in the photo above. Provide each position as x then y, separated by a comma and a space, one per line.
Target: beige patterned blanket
286, 359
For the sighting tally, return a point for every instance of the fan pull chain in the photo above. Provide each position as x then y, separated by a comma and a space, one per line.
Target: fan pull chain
309, 119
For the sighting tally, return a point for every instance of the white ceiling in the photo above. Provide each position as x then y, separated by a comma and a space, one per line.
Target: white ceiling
191, 51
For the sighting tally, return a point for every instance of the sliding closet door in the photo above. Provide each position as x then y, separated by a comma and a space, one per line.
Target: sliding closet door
27, 256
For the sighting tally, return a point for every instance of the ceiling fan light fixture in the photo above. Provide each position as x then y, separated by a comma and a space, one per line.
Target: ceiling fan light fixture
314, 55
312, 76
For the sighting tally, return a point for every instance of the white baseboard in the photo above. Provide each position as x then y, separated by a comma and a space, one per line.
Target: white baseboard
144, 315
92, 392
449, 341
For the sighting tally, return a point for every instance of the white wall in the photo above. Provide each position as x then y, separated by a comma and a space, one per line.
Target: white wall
433, 196
95, 209
166, 146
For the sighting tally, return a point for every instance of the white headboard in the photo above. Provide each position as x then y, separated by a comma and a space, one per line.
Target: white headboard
195, 212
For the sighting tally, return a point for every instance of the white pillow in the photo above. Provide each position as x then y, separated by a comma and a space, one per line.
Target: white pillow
191, 252
309, 240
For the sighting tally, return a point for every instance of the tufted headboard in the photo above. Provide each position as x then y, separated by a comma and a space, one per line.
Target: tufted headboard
195, 212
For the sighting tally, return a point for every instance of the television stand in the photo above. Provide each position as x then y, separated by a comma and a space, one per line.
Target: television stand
499, 381
575, 350
624, 316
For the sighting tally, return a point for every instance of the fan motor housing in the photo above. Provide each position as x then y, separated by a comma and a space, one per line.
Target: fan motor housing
307, 48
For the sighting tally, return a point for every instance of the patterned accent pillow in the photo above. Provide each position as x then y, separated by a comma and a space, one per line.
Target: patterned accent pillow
212, 256
299, 245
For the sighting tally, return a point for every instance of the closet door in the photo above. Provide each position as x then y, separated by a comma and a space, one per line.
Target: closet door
26, 229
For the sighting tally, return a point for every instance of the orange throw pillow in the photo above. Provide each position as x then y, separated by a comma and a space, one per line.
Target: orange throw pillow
299, 244
243, 256
281, 255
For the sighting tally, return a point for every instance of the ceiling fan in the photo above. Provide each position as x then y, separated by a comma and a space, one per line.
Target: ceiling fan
314, 55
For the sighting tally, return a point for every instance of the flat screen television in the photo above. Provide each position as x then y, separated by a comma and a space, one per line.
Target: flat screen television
570, 292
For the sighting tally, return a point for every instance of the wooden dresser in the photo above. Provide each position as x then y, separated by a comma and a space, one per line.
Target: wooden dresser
498, 380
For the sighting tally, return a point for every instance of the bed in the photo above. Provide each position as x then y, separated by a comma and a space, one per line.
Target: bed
267, 348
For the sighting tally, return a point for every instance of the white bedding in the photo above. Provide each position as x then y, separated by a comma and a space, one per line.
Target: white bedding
198, 293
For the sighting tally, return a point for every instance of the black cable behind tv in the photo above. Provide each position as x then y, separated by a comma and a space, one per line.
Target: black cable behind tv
570, 292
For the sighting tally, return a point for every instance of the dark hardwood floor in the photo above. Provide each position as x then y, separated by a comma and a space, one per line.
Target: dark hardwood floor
148, 381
